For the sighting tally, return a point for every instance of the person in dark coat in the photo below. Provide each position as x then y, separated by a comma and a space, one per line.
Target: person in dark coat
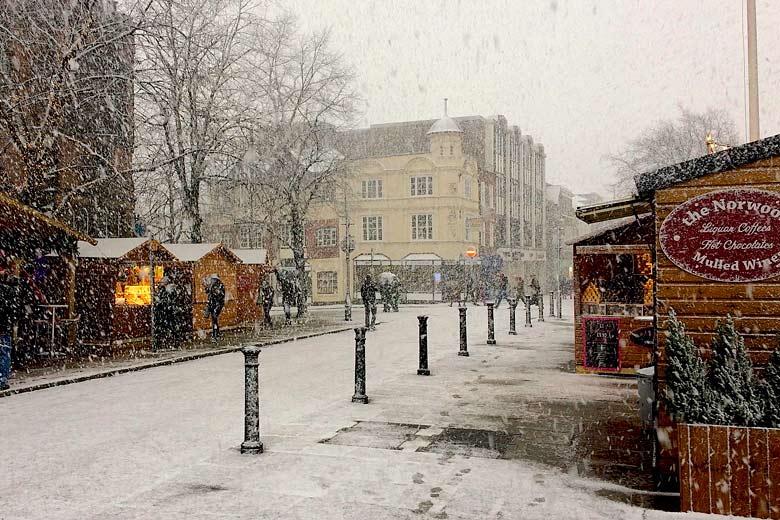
265, 298
536, 290
288, 283
368, 294
215, 290
10, 312
503, 288
164, 318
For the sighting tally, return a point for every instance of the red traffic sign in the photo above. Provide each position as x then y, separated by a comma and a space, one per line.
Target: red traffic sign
471, 252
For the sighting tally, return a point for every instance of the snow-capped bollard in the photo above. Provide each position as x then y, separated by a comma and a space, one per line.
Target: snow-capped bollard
423, 324
360, 366
251, 442
528, 311
464, 349
491, 339
541, 306
512, 309
552, 304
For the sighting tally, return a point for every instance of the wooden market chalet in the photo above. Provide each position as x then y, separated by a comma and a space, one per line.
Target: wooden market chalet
701, 238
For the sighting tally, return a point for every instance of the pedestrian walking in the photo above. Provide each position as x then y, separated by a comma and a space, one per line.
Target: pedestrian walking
536, 290
265, 299
289, 286
163, 308
215, 290
390, 290
503, 288
368, 294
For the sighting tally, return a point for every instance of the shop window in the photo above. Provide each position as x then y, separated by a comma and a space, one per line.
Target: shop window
327, 282
133, 285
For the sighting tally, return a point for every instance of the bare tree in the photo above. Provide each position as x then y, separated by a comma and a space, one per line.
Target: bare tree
192, 110
66, 105
307, 94
669, 142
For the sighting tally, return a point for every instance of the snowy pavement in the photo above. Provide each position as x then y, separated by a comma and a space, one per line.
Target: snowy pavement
162, 443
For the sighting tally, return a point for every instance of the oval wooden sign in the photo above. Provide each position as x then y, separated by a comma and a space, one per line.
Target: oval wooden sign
728, 235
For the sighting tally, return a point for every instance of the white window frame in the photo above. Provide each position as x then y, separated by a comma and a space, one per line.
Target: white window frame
422, 227
327, 284
372, 189
375, 226
421, 186
325, 237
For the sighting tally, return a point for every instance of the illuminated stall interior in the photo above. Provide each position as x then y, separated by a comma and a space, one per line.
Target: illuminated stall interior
613, 296
114, 286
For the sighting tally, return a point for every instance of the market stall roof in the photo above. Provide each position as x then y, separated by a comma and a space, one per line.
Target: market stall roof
251, 256
194, 252
110, 247
14, 214
728, 159
643, 223
614, 209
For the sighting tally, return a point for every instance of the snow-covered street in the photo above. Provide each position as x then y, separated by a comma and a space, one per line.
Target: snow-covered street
162, 443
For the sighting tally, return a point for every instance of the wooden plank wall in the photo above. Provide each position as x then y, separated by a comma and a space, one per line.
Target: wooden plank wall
699, 302
730, 470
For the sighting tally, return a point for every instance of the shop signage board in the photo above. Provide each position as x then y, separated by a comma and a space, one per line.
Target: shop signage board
601, 338
726, 235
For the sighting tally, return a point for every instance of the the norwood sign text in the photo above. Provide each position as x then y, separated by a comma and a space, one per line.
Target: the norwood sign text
730, 235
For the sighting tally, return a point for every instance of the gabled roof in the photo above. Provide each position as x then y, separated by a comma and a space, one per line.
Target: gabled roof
725, 160
642, 224
15, 213
110, 247
251, 256
194, 252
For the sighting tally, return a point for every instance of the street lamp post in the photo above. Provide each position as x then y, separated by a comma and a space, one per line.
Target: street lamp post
348, 246
558, 276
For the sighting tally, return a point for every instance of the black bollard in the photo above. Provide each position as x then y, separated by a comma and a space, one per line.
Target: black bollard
251, 442
552, 304
512, 308
464, 349
423, 369
541, 306
528, 311
491, 339
360, 366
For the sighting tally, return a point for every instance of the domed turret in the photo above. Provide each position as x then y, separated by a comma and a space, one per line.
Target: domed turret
446, 137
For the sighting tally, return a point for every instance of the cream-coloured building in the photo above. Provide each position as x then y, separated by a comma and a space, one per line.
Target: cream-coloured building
420, 194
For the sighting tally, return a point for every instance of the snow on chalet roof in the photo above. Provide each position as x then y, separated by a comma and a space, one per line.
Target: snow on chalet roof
444, 125
728, 159
190, 252
110, 247
422, 257
251, 256
605, 227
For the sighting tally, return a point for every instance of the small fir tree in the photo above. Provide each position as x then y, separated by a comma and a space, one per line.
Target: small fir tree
770, 390
734, 397
686, 390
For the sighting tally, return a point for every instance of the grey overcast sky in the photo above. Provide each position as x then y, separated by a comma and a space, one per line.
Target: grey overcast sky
580, 76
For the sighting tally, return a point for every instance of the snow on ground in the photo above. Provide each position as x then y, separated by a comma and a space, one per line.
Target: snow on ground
162, 443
